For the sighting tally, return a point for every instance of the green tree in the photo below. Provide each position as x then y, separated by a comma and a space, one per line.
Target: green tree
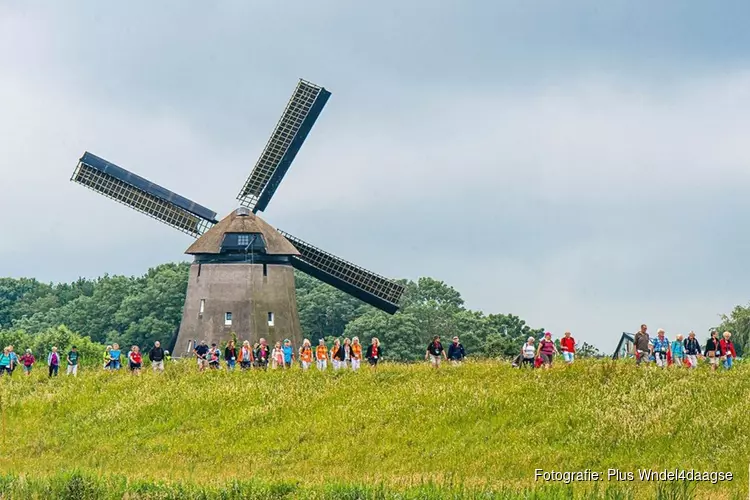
738, 323
323, 310
399, 334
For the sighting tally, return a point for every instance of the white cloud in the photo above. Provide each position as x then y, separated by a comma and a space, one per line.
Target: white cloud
587, 139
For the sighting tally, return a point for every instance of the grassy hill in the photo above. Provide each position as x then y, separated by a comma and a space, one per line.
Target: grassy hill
472, 430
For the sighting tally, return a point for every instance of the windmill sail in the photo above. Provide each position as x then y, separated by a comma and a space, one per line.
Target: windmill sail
286, 140
146, 197
369, 287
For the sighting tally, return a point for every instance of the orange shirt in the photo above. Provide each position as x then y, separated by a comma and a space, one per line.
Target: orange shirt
335, 351
306, 354
357, 351
321, 352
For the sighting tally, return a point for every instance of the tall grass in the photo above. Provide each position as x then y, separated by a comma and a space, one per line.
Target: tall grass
478, 428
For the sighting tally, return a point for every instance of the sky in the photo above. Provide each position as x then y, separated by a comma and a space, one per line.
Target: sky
584, 165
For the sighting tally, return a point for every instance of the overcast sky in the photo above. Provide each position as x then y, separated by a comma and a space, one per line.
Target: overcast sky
582, 164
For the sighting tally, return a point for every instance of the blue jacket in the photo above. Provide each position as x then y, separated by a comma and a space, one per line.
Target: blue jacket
456, 352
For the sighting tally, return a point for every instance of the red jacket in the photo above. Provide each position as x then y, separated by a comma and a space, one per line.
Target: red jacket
727, 347
568, 344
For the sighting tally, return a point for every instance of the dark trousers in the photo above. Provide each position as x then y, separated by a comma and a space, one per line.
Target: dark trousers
53, 370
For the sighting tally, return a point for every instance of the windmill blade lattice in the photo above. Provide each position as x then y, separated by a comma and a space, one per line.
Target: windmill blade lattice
142, 195
367, 286
285, 142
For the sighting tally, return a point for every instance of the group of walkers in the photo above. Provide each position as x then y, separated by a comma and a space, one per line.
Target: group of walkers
341, 355
134, 358
9, 361
349, 354
113, 357
683, 351
535, 355
435, 351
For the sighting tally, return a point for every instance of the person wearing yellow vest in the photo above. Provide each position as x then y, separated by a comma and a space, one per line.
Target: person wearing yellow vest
321, 355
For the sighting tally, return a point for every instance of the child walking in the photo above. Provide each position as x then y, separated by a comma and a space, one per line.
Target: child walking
277, 356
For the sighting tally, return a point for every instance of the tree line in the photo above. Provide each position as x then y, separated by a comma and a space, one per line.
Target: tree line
138, 310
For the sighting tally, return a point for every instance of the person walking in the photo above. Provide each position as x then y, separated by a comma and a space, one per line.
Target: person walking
345, 354
356, 354
456, 351
288, 351
568, 347
678, 351
713, 350
277, 357
5, 362
335, 354
528, 353
547, 350
306, 354
692, 350
246, 356
156, 357
230, 355
661, 348
727, 350
107, 358
263, 355
53, 362
214, 356
135, 360
321, 355
434, 352
28, 360
642, 346
13, 360
72, 360
115, 357
201, 354
374, 353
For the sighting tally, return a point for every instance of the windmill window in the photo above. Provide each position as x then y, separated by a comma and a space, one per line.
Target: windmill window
228, 319
270, 319
243, 239
203, 306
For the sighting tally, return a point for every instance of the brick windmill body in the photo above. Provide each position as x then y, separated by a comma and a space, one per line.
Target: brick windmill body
241, 281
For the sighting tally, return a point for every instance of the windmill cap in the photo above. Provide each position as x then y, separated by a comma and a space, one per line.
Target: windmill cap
242, 221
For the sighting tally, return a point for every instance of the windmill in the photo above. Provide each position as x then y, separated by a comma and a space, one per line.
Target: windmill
242, 277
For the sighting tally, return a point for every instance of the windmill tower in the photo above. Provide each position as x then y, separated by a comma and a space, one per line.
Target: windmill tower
242, 277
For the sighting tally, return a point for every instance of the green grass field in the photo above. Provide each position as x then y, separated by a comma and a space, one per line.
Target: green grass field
475, 430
